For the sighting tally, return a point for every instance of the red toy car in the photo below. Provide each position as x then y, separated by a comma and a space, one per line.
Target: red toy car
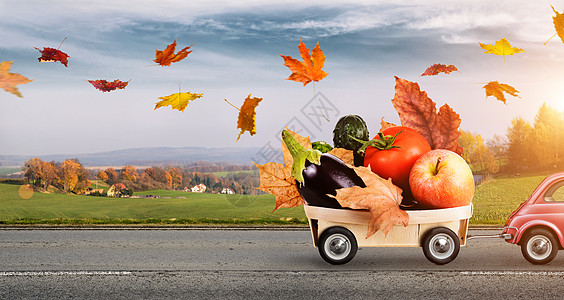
538, 224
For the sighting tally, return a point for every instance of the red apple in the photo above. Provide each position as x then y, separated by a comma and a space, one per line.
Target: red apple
441, 179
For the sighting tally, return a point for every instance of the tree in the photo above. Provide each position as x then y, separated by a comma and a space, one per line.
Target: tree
33, 171
519, 150
547, 137
112, 176
476, 153
129, 173
102, 176
176, 177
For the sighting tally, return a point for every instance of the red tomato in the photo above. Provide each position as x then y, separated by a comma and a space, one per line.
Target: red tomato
396, 163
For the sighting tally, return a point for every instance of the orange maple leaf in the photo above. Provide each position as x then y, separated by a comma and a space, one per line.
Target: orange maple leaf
385, 124
558, 21
276, 179
8, 81
108, 86
417, 111
501, 47
246, 121
381, 197
496, 89
438, 68
310, 69
167, 56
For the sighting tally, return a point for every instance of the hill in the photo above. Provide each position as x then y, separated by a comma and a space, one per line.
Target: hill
146, 156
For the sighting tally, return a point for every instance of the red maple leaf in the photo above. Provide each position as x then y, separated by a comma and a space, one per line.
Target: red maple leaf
438, 68
107, 86
52, 54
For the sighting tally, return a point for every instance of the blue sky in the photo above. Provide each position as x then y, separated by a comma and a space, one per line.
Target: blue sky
236, 53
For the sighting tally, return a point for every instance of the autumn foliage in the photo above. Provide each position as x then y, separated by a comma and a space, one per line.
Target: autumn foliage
68, 176
309, 69
108, 86
52, 55
8, 81
167, 56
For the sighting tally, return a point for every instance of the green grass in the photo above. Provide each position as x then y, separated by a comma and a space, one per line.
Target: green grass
496, 200
193, 209
493, 202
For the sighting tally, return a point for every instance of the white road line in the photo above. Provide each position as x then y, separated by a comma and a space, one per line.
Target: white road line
63, 273
495, 273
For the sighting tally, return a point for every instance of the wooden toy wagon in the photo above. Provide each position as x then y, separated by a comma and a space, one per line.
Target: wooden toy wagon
338, 233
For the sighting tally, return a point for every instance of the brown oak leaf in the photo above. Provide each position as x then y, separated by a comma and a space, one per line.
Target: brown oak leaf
8, 81
417, 111
276, 179
381, 197
496, 89
310, 69
438, 68
167, 56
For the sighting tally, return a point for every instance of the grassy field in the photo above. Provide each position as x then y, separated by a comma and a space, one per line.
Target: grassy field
191, 209
493, 202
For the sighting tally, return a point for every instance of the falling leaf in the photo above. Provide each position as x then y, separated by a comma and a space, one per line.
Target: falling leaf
381, 197
558, 21
347, 156
107, 86
167, 56
8, 81
52, 54
178, 100
501, 47
417, 111
247, 116
438, 68
496, 89
308, 70
385, 124
276, 179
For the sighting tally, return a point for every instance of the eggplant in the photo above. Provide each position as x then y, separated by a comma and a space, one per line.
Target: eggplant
326, 178
319, 175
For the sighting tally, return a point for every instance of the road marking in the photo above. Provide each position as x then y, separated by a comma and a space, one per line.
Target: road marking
63, 273
536, 273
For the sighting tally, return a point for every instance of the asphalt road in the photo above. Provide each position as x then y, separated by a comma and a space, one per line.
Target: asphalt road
243, 264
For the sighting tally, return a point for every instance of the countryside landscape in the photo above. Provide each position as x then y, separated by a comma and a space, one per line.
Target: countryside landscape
173, 191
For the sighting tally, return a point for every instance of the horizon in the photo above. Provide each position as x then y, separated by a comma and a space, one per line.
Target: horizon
236, 52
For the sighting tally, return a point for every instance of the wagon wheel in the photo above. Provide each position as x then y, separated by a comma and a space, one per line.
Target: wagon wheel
441, 245
337, 245
539, 246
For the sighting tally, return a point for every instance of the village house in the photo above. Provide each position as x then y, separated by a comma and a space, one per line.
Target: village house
227, 190
200, 188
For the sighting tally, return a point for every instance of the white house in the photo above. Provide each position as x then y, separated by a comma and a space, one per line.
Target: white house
200, 188
227, 190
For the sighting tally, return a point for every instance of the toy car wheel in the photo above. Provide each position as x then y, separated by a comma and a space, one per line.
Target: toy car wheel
441, 245
337, 245
539, 246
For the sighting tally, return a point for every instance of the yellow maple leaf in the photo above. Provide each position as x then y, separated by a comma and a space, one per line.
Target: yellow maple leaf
178, 100
501, 47
8, 81
496, 89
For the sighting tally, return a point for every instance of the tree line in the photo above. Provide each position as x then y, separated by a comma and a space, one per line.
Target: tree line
525, 146
71, 177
